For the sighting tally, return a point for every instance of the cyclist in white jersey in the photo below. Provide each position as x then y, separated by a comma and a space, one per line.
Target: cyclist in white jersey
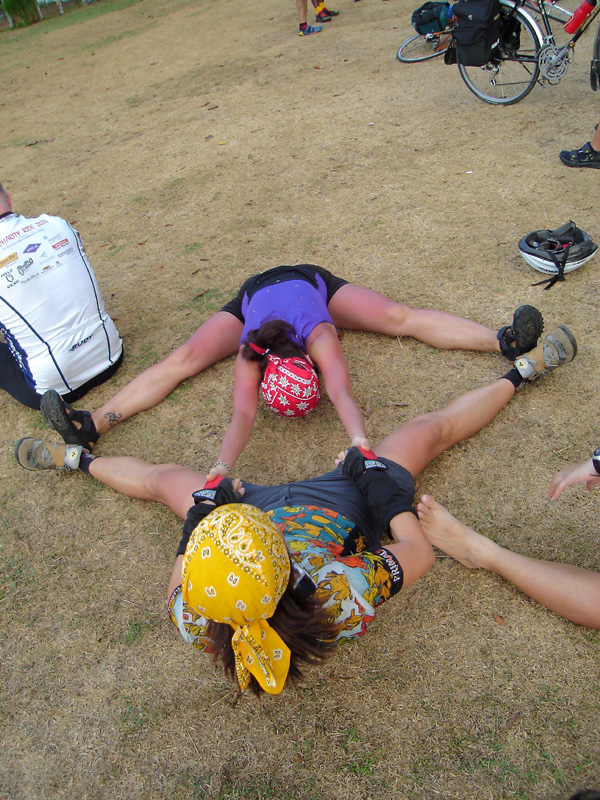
57, 332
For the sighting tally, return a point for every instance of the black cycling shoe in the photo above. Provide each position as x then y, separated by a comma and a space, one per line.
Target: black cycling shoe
523, 334
586, 156
60, 415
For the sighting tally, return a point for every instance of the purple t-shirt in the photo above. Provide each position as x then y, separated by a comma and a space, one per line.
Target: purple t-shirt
294, 301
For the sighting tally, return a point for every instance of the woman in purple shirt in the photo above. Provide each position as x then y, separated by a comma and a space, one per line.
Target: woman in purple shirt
283, 324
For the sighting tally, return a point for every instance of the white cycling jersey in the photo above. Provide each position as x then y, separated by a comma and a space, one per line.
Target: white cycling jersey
51, 311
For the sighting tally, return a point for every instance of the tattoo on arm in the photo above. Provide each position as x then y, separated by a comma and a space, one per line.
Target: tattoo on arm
112, 418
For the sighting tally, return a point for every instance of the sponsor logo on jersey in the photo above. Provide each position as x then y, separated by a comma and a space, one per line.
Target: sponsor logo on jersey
61, 244
83, 341
10, 278
8, 260
31, 248
22, 268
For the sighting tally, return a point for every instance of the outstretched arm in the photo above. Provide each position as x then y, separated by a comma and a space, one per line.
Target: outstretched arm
245, 404
391, 510
583, 472
325, 350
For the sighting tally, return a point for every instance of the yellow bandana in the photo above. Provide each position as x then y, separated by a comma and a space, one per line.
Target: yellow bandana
236, 569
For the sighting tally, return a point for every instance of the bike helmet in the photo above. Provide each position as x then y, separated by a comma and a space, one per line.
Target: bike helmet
290, 386
557, 252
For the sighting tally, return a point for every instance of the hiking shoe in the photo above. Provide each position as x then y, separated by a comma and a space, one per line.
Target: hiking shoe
310, 29
523, 334
556, 348
60, 415
325, 15
33, 454
586, 156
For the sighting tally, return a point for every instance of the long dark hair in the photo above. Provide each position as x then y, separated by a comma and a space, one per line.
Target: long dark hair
276, 336
301, 621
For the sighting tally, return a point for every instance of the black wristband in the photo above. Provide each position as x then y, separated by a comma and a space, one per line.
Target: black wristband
383, 496
356, 463
596, 459
222, 495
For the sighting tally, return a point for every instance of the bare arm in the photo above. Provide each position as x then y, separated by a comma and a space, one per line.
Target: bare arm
245, 403
583, 472
410, 547
324, 348
175, 576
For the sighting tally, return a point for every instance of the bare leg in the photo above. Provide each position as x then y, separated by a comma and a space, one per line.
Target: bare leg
217, 338
422, 439
301, 6
572, 592
595, 141
357, 308
163, 483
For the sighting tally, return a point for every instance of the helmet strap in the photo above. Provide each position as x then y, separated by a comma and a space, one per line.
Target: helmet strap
560, 263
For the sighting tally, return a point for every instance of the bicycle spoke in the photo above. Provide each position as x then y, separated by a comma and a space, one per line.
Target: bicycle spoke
514, 71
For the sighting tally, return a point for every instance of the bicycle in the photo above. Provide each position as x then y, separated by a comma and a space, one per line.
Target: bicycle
527, 53
424, 46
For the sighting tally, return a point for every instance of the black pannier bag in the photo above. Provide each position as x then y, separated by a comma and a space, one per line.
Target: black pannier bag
477, 31
431, 18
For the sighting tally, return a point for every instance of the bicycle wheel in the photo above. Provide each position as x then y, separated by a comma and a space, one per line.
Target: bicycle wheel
422, 47
595, 65
513, 72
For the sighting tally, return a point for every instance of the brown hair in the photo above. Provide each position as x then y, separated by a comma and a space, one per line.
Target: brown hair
277, 336
301, 621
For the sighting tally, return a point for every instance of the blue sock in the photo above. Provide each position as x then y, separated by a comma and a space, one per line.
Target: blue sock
85, 461
514, 376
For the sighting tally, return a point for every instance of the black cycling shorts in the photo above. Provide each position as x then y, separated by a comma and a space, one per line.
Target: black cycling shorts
305, 272
13, 381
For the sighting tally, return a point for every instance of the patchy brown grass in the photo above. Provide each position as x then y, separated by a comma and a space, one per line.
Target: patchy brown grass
193, 144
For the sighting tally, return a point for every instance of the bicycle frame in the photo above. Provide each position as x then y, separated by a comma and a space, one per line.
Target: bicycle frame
545, 9
552, 58
553, 10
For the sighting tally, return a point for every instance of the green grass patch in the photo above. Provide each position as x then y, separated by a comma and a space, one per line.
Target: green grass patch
213, 300
136, 631
192, 248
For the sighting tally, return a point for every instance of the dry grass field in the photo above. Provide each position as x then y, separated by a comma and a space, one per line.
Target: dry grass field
192, 143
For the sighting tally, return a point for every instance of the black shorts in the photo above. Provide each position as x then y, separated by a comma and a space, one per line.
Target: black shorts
13, 381
334, 492
305, 272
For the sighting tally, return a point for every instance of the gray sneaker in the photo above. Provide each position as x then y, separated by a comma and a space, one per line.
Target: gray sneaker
34, 454
556, 348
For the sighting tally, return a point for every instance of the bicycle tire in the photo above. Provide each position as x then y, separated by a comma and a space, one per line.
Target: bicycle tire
595, 65
422, 48
513, 74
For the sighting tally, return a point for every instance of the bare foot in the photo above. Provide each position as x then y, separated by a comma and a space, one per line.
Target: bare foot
449, 535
